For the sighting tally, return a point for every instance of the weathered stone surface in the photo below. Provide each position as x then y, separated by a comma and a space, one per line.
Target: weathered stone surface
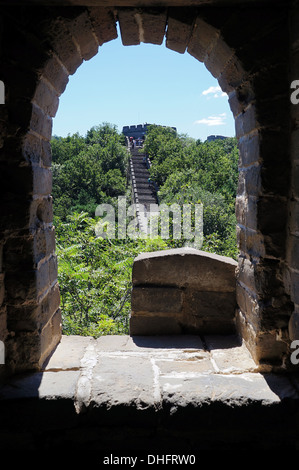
152, 324
158, 300
209, 312
201, 297
185, 267
103, 23
202, 40
52, 43
124, 393
179, 29
129, 28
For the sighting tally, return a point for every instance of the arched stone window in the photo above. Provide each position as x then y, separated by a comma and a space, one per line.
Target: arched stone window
248, 55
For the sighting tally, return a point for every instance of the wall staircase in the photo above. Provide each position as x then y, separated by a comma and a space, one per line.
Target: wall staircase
144, 194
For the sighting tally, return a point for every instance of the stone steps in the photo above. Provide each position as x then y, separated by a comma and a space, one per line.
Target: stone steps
146, 194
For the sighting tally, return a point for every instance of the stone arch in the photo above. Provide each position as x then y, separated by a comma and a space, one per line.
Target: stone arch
41, 48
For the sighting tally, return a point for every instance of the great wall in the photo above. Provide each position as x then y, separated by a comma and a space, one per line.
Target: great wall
158, 393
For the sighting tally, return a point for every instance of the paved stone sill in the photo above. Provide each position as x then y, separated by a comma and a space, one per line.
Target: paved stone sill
155, 381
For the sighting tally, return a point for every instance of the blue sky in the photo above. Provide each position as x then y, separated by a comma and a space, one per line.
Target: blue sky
127, 85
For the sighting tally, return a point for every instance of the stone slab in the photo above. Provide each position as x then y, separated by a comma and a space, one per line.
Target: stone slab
185, 267
124, 392
49, 385
68, 353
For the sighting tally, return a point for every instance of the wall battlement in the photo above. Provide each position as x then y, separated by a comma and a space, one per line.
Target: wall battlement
138, 131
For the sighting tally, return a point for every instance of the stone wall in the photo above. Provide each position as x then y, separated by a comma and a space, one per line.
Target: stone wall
183, 291
248, 51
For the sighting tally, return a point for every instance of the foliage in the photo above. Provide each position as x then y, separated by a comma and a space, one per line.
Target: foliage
192, 172
93, 303
89, 170
94, 273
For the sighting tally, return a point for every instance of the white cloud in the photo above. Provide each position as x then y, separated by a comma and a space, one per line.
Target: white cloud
215, 90
213, 120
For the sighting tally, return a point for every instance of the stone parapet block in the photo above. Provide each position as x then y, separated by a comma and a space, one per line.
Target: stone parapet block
183, 291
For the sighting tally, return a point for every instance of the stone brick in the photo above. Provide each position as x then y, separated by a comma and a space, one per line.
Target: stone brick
44, 243
42, 276
202, 40
154, 325
246, 122
64, 46
81, 30
56, 74
41, 123
250, 242
246, 273
104, 24
202, 297
246, 211
218, 58
46, 98
249, 147
129, 28
23, 351
209, 312
20, 214
44, 210
249, 305
269, 349
250, 180
32, 315
179, 29
37, 151
50, 337
42, 182
153, 25
46, 274
156, 300
233, 76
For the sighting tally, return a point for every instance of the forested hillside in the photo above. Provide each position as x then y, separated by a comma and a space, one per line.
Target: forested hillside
190, 171
95, 272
